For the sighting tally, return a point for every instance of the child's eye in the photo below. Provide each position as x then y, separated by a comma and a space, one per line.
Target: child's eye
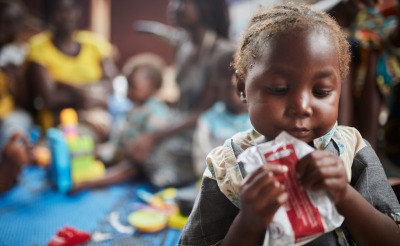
276, 90
322, 92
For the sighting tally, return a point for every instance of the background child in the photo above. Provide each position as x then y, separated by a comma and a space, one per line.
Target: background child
12, 54
225, 118
148, 114
290, 66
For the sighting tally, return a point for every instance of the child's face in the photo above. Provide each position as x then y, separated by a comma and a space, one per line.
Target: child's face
294, 86
140, 88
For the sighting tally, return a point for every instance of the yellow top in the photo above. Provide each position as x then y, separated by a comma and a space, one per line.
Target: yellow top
82, 69
6, 100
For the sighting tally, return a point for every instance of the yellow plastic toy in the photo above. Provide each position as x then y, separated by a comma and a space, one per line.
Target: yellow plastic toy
84, 166
148, 220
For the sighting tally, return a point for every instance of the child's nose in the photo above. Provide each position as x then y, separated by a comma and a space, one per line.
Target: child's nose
300, 106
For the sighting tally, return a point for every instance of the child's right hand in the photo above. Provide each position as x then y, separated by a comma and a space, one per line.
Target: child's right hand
261, 196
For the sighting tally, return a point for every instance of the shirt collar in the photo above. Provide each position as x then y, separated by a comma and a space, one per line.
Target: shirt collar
334, 134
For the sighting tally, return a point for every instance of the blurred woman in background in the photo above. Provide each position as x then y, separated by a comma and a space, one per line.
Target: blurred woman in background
68, 67
200, 34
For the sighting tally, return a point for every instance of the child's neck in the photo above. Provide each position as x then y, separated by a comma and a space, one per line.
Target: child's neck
236, 111
139, 103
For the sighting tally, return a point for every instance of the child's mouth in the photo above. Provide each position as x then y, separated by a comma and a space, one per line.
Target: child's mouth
299, 132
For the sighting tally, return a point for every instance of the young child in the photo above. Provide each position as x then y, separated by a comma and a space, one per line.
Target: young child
147, 115
225, 118
290, 65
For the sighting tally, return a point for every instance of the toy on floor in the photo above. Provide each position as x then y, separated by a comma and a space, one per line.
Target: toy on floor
168, 207
69, 236
73, 160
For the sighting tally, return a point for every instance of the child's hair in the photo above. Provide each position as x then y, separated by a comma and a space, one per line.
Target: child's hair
215, 15
153, 64
152, 73
279, 19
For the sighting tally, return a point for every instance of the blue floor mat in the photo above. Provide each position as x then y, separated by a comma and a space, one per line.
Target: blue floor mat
32, 213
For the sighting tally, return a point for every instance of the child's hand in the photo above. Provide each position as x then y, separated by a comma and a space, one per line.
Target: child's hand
261, 196
323, 170
15, 155
17, 151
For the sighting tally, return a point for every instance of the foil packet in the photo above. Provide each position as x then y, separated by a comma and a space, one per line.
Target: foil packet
307, 214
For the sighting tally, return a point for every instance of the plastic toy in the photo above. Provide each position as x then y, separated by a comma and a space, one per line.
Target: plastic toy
72, 155
60, 167
148, 220
69, 236
69, 123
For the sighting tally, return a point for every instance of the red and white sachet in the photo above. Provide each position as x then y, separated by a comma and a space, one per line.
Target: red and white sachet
307, 214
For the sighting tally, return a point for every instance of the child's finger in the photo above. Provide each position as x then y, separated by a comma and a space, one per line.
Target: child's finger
258, 180
273, 206
325, 167
320, 173
275, 169
269, 195
264, 188
264, 196
261, 178
310, 162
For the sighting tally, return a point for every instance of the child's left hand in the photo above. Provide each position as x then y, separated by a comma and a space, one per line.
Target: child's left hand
323, 170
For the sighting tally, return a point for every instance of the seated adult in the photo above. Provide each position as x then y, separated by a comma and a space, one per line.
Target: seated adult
68, 67
12, 54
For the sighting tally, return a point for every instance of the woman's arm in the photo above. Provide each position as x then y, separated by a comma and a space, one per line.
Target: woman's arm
54, 95
58, 95
170, 34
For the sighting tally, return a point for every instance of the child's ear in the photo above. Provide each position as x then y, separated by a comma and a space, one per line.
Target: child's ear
240, 86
